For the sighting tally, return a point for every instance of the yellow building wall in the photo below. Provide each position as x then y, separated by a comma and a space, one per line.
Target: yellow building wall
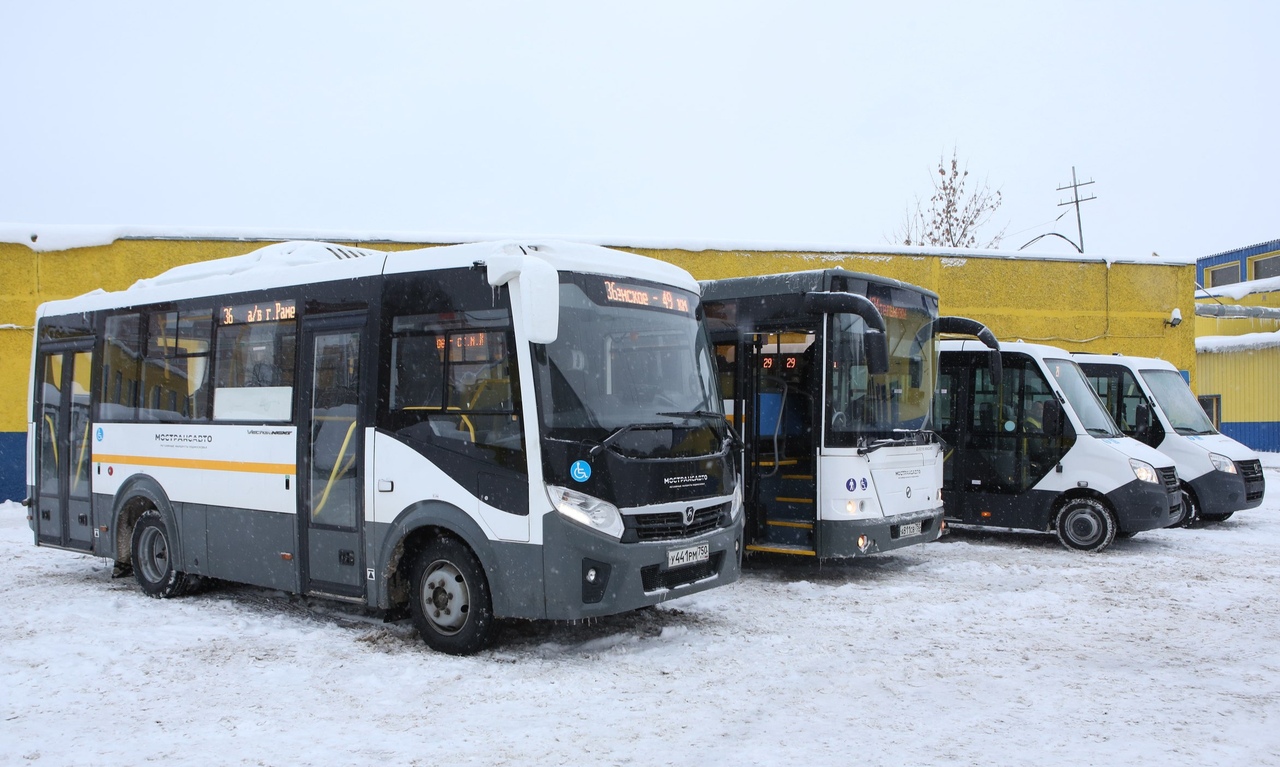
1079, 305
1246, 380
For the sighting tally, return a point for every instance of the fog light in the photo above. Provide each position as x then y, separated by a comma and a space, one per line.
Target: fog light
592, 575
864, 543
850, 507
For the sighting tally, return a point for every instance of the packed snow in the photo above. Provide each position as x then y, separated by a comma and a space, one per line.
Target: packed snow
975, 650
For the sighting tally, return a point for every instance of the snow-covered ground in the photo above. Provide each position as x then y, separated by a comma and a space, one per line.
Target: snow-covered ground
977, 650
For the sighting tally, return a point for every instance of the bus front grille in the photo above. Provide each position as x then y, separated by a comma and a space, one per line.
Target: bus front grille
670, 526
1254, 484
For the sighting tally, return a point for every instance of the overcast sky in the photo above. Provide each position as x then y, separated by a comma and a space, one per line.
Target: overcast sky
741, 121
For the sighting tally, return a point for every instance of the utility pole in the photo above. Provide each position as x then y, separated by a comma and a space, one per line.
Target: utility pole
1075, 200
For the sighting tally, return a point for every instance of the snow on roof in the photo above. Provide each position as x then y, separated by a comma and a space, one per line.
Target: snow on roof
1238, 290
1246, 342
51, 237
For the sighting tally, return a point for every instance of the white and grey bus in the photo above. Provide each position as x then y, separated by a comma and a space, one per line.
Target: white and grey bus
829, 375
467, 433
1033, 449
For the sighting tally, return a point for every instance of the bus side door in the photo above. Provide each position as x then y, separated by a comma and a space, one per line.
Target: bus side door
62, 499
331, 460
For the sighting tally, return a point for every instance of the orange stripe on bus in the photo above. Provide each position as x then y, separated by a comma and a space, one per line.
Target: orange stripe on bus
198, 463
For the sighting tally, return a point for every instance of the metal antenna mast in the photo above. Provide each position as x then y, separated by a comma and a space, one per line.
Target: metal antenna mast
1075, 200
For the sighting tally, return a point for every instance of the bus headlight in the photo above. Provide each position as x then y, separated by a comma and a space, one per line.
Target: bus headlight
1222, 463
1144, 471
735, 507
587, 510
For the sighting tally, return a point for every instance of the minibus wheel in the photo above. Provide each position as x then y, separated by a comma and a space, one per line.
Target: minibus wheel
1085, 524
153, 564
1190, 509
449, 599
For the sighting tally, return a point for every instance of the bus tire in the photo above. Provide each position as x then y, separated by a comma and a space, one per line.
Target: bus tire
153, 565
1190, 509
449, 598
1085, 524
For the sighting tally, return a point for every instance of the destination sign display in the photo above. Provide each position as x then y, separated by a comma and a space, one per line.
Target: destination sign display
647, 297
267, 311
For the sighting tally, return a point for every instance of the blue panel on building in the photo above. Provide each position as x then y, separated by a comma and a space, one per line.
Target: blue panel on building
13, 465
1259, 435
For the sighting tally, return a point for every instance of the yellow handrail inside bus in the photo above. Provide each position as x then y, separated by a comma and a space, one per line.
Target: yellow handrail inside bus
84, 446
53, 438
334, 472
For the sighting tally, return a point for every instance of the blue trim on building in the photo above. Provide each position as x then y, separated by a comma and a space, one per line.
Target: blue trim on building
1241, 255
13, 465
1259, 435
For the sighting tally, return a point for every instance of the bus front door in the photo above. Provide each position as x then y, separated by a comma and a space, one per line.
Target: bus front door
62, 500
331, 459
780, 459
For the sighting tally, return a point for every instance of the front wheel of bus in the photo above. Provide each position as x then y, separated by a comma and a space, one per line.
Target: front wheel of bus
450, 601
1084, 524
153, 563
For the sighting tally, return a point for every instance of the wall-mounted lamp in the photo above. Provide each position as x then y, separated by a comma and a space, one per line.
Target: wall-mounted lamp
1175, 318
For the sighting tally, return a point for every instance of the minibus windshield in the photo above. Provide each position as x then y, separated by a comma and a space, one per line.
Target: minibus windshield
1178, 403
1093, 416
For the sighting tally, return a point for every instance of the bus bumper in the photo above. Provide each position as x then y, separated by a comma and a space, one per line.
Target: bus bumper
839, 539
1144, 506
1221, 493
587, 574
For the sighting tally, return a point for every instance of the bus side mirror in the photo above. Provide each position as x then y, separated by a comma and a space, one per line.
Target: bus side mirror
1052, 417
1142, 418
877, 348
535, 293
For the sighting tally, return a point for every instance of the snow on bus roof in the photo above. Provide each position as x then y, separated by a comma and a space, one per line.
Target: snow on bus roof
49, 237
272, 266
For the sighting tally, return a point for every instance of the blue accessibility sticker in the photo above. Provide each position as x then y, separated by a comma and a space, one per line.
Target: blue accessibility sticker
580, 471
851, 485
99, 433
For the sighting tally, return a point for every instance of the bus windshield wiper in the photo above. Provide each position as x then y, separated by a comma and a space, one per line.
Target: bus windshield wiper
693, 414
618, 432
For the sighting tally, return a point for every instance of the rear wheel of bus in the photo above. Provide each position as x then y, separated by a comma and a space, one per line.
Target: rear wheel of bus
153, 564
1085, 524
450, 601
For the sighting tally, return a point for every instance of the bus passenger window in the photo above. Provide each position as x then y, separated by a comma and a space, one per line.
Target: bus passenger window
122, 353
254, 370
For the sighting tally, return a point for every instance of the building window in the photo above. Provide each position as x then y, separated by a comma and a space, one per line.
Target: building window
1266, 267
1212, 404
1227, 274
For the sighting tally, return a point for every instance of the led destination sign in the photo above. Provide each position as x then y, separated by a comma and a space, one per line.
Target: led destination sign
269, 311
641, 295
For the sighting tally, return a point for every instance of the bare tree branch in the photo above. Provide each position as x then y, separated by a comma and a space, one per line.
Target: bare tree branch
955, 216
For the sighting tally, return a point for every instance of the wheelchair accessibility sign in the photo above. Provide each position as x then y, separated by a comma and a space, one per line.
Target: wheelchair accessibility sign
580, 471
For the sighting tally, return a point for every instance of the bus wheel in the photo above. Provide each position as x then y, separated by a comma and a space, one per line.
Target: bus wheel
153, 564
1190, 510
450, 600
1086, 525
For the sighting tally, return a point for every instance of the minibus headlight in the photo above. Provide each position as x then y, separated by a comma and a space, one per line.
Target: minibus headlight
1222, 463
735, 508
587, 510
1144, 471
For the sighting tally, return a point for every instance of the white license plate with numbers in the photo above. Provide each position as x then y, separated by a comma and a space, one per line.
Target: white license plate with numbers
691, 555
908, 530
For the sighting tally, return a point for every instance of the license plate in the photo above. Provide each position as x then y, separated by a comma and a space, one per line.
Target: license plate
908, 530
689, 556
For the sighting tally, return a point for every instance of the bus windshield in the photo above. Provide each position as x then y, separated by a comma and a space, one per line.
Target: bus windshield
632, 366
1093, 416
1178, 403
860, 405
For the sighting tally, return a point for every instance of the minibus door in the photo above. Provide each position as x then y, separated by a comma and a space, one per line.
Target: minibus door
62, 499
331, 460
